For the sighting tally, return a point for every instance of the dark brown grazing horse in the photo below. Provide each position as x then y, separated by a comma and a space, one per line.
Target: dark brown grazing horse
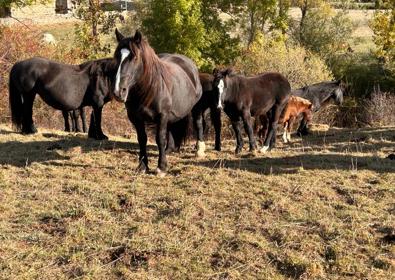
62, 86
320, 94
160, 90
243, 97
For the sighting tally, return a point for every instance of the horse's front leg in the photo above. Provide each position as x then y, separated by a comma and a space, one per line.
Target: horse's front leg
198, 124
303, 128
83, 119
285, 133
95, 130
161, 132
236, 123
76, 115
66, 120
216, 119
246, 116
142, 139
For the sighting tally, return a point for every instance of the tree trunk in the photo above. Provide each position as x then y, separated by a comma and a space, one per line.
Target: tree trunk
5, 12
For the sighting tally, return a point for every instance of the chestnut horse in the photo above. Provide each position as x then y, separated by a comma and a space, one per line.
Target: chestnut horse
296, 106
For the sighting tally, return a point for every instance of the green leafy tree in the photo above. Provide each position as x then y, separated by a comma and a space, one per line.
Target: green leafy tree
94, 24
189, 27
325, 31
383, 26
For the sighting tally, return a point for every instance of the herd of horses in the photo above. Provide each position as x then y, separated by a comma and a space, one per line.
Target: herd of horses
166, 90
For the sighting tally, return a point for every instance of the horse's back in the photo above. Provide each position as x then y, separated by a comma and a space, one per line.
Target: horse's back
186, 65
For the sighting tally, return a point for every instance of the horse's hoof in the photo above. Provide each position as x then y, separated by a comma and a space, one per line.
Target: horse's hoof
218, 149
160, 173
264, 149
100, 137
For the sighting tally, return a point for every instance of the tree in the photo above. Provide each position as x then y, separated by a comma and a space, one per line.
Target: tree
324, 31
94, 23
5, 5
383, 26
189, 27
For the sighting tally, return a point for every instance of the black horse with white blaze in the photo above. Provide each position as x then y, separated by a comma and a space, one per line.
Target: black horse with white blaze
159, 90
245, 97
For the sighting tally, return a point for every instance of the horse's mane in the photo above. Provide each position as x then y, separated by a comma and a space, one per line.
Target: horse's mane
155, 72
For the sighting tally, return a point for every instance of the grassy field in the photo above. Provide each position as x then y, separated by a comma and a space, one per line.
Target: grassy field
320, 208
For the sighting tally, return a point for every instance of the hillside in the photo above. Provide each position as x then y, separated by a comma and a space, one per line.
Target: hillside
321, 208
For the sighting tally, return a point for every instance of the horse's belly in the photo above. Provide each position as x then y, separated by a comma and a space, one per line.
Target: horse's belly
62, 101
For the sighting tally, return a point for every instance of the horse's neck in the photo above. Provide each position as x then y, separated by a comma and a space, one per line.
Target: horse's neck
234, 85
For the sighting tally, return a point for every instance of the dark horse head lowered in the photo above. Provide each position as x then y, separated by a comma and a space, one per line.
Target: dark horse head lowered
160, 90
320, 94
243, 97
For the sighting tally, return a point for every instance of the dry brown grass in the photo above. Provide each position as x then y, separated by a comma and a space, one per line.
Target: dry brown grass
320, 208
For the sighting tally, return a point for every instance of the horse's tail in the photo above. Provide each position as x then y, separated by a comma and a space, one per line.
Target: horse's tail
16, 104
181, 130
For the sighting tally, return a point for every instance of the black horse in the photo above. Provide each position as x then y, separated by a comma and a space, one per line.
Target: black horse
74, 116
207, 101
319, 95
242, 97
63, 87
155, 90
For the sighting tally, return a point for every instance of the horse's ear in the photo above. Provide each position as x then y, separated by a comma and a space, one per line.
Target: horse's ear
119, 36
215, 71
228, 72
137, 37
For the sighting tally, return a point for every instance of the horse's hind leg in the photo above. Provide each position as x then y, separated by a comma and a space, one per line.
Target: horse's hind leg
274, 116
83, 119
27, 124
248, 128
142, 139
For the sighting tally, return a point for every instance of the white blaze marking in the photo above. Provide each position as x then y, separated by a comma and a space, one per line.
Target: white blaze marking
124, 54
221, 86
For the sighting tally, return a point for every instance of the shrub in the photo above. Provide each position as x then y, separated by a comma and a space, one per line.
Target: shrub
272, 53
22, 43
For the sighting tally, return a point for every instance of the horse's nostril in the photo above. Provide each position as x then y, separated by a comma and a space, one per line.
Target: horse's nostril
123, 89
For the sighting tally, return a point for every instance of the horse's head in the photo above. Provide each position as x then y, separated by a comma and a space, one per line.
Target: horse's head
337, 94
130, 64
101, 74
220, 84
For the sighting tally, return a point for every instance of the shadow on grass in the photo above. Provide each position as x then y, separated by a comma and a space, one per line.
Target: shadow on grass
21, 154
293, 164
